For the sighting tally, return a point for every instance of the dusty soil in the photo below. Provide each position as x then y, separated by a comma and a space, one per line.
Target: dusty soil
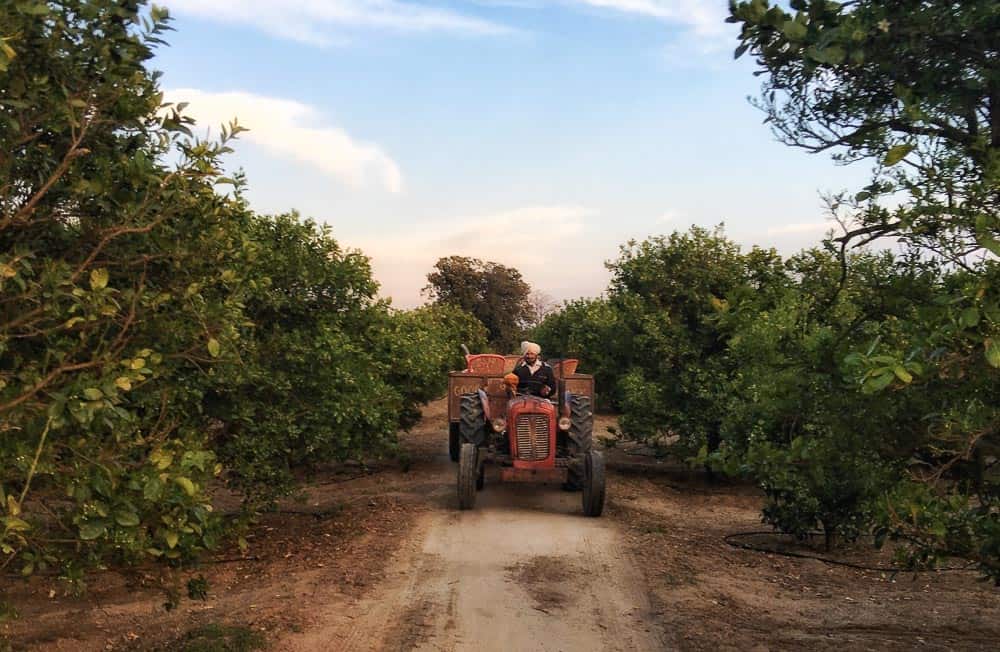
382, 560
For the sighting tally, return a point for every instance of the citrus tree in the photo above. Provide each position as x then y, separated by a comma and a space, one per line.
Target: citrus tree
912, 87
112, 306
158, 337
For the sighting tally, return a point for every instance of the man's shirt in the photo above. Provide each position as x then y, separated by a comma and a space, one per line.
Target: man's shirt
540, 372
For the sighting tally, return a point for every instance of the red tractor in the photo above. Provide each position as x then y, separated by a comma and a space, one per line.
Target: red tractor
531, 439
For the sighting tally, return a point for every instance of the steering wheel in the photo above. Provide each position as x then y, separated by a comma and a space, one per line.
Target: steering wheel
534, 387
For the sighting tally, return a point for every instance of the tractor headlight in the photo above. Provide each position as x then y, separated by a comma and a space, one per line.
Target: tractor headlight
564, 423
499, 425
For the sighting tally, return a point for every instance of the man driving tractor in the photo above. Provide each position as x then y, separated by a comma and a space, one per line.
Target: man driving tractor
533, 375
533, 427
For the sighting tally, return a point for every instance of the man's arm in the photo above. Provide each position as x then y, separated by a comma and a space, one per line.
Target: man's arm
550, 380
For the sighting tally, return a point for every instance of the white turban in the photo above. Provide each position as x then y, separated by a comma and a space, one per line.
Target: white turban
530, 347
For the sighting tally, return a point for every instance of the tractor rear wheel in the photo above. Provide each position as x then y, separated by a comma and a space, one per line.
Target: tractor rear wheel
472, 424
593, 483
467, 476
454, 441
581, 429
581, 439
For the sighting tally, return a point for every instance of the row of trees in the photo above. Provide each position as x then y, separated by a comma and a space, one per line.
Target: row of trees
859, 388
157, 337
849, 399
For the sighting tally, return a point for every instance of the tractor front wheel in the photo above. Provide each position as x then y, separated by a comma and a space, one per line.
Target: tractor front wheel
581, 430
468, 473
593, 483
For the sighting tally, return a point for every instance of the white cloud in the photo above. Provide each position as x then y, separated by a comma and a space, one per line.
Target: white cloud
667, 217
479, 236
802, 227
701, 33
328, 22
322, 22
705, 17
532, 239
512, 237
293, 130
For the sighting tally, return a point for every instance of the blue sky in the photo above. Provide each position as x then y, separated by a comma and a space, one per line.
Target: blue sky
541, 134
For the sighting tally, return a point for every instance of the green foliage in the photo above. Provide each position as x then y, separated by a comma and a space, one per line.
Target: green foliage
818, 482
912, 87
8, 612
419, 347
667, 351
930, 527
197, 588
589, 330
842, 374
304, 363
496, 295
892, 82
109, 295
156, 336
220, 638
832, 383
795, 420
328, 372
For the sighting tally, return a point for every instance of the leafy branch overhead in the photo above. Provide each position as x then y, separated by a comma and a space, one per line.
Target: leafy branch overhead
911, 85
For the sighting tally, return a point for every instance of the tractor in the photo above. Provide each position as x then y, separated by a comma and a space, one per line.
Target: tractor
531, 439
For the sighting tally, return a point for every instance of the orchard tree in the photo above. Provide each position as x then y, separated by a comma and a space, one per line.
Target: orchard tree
113, 305
306, 359
913, 87
156, 333
592, 331
495, 294
668, 292
793, 418
328, 371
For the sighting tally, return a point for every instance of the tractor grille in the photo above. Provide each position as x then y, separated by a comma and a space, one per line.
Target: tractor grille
532, 437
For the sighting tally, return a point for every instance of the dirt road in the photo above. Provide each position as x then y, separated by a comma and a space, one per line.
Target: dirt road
523, 571
379, 558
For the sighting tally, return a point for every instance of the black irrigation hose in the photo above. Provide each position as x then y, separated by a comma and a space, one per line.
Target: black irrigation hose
729, 539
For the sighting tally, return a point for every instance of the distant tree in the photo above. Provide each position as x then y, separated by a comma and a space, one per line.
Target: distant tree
593, 331
542, 304
495, 294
